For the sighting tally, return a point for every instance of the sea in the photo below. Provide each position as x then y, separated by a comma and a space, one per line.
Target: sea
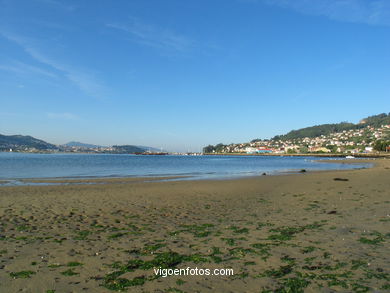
17, 166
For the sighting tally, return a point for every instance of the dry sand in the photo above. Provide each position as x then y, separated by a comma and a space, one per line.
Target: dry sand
292, 233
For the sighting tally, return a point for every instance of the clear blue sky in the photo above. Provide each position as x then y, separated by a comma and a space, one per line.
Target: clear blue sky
183, 74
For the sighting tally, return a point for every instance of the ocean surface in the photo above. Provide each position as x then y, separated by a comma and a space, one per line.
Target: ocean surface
14, 166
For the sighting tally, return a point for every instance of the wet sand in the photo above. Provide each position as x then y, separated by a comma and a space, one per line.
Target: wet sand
311, 232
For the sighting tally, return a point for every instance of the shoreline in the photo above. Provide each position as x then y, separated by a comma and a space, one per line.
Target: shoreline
316, 231
324, 155
190, 177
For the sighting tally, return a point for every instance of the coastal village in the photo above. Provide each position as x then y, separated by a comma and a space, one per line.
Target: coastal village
354, 141
370, 136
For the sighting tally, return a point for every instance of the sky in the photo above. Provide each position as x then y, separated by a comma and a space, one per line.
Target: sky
180, 75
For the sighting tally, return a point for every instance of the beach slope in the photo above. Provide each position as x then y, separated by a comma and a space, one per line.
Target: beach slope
313, 232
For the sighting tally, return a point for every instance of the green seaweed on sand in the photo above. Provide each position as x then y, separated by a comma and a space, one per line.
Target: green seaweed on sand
240, 251
377, 275
386, 286
356, 264
232, 241
82, 235
59, 240
356, 287
308, 249
174, 290
22, 228
288, 260
262, 249
120, 284
373, 241
229, 241
287, 233
69, 273
293, 285
180, 282
237, 230
202, 230
74, 264
151, 248
214, 255
164, 260
22, 274
262, 225
116, 235
280, 272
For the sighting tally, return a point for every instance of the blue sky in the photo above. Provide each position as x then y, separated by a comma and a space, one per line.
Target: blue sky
183, 74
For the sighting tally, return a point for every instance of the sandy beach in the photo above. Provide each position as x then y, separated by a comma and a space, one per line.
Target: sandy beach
311, 232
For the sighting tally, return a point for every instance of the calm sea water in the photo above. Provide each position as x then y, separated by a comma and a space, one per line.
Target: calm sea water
19, 165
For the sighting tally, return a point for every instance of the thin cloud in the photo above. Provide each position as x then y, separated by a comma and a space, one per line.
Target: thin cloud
52, 25
84, 80
62, 116
375, 12
152, 36
58, 4
23, 68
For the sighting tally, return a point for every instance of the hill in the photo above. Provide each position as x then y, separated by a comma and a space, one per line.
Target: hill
126, 149
21, 142
150, 149
326, 129
82, 145
376, 120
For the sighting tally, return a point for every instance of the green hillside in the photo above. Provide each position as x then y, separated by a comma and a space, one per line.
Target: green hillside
377, 120
21, 141
326, 129
127, 149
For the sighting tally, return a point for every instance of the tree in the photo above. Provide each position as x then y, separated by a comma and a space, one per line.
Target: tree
303, 150
219, 147
332, 148
380, 145
208, 149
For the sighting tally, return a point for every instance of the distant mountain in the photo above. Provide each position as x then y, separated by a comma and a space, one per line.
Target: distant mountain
82, 145
29, 143
150, 149
127, 149
21, 142
326, 129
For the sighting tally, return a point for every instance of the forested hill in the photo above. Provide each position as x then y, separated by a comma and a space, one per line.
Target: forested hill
326, 129
376, 120
82, 145
23, 141
127, 149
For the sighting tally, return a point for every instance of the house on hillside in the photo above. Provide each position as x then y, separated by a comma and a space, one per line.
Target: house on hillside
319, 150
263, 151
250, 150
368, 149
